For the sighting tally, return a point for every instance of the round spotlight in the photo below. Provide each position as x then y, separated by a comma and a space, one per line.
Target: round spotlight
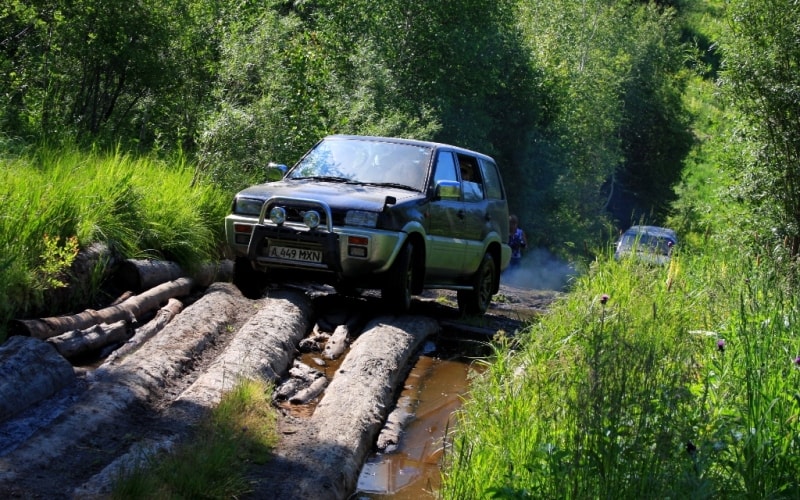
277, 215
311, 219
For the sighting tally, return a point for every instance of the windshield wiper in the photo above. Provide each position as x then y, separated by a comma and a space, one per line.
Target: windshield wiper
392, 185
326, 178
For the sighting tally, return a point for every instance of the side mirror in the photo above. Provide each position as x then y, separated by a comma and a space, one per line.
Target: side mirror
448, 190
276, 171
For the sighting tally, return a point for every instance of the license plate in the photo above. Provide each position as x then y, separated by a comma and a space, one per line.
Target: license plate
298, 254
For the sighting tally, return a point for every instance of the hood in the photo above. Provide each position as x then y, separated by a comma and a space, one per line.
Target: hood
336, 195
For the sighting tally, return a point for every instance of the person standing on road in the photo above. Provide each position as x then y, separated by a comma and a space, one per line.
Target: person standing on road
516, 240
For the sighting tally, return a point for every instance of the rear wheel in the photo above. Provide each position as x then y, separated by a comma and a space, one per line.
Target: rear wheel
396, 292
477, 300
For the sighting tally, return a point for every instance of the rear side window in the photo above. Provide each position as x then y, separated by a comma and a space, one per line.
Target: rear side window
491, 180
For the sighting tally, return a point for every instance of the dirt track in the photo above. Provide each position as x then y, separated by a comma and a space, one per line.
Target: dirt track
150, 399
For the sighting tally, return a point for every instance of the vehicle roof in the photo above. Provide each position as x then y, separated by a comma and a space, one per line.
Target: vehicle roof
416, 142
662, 232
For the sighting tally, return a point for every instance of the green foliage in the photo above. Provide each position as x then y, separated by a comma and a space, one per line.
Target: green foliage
57, 202
760, 78
675, 381
619, 126
565, 95
56, 260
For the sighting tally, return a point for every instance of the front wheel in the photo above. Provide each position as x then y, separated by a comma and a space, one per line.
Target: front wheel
477, 300
249, 281
396, 291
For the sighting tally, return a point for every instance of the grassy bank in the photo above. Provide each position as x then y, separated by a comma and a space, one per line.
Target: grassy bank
678, 381
57, 202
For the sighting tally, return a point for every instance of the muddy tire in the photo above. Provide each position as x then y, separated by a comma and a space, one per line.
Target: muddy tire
396, 292
249, 281
477, 300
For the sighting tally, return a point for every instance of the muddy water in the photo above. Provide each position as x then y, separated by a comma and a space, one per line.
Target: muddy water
433, 390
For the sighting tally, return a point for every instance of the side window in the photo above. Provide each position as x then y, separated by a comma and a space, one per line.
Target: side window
445, 168
471, 181
491, 180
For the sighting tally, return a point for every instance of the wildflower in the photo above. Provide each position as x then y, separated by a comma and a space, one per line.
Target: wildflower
797, 361
604, 298
721, 345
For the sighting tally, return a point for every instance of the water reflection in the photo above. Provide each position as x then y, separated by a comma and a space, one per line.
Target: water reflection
433, 391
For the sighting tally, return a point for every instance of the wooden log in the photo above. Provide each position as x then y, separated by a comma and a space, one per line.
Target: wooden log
143, 274
30, 370
337, 343
76, 342
289, 388
310, 392
304, 372
212, 272
127, 310
147, 331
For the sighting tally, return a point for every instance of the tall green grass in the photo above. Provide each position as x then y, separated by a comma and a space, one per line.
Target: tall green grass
141, 207
654, 382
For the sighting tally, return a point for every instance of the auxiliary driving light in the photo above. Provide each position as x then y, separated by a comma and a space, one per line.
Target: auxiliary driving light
277, 215
311, 219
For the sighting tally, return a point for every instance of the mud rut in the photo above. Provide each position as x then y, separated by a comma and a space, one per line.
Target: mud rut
74, 444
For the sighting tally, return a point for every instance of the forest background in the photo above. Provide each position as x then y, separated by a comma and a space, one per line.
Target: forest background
581, 103
134, 123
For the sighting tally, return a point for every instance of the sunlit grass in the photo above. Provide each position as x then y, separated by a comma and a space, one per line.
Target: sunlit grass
140, 207
240, 430
677, 381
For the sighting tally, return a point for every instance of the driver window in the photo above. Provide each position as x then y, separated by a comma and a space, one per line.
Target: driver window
470, 178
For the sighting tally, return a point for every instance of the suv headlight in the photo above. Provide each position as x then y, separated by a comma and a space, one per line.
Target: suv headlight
247, 206
311, 219
277, 215
361, 218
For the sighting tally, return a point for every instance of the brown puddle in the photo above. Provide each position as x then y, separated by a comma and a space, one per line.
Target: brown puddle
433, 391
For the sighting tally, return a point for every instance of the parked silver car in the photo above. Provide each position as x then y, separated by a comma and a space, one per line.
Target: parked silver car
393, 214
651, 244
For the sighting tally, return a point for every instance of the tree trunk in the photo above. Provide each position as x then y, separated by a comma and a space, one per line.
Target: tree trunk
76, 342
30, 371
140, 274
128, 310
148, 330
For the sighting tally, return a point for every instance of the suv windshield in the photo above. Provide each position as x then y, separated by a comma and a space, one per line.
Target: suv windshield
365, 162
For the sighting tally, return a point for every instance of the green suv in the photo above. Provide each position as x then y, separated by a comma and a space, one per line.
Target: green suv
397, 215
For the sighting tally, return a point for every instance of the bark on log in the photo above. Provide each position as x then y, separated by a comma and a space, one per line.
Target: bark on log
128, 310
30, 371
212, 272
348, 418
76, 342
147, 331
134, 381
142, 274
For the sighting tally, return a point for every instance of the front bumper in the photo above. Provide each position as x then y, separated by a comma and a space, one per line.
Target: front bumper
352, 253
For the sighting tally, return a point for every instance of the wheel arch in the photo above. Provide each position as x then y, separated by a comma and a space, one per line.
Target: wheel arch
418, 240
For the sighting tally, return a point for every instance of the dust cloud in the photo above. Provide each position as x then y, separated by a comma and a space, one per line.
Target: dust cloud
539, 270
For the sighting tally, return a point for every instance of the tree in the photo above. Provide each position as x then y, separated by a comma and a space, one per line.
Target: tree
761, 78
